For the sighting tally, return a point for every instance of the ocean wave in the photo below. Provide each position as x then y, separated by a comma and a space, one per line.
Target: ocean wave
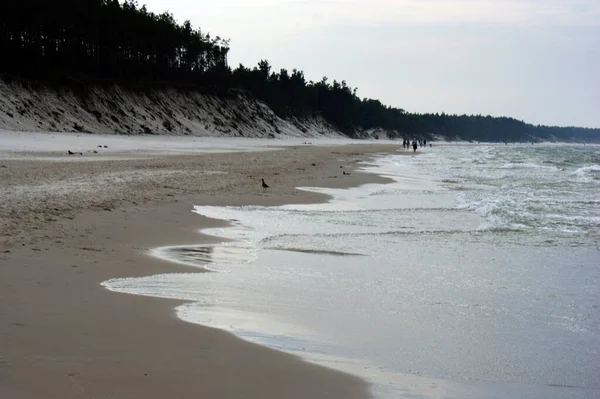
165, 285
548, 200
588, 173
520, 165
575, 218
276, 241
502, 216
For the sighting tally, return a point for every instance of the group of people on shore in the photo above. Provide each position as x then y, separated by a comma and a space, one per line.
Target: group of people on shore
406, 144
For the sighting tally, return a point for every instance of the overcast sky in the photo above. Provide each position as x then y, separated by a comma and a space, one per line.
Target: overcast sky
535, 60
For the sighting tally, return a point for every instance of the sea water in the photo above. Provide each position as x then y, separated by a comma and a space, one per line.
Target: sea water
475, 274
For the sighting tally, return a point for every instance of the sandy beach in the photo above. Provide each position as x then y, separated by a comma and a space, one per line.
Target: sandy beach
67, 226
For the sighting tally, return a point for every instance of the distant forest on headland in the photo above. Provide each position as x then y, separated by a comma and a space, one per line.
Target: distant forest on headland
70, 42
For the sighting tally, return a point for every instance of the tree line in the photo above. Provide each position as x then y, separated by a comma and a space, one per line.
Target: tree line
104, 39
112, 41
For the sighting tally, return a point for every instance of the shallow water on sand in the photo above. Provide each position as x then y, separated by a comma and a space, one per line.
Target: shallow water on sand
476, 274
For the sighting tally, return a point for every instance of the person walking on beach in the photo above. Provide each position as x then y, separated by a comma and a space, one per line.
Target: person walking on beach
414, 145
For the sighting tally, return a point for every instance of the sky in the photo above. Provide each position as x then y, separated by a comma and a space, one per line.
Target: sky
534, 60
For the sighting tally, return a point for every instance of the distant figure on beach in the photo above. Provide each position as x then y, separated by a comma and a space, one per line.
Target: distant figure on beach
414, 145
424, 143
264, 185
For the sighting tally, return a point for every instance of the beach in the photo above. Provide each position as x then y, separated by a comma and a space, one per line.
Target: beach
70, 222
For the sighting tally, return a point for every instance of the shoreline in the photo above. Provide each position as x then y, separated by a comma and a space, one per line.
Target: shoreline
65, 335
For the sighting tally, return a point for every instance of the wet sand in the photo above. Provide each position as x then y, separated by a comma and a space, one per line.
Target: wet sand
67, 226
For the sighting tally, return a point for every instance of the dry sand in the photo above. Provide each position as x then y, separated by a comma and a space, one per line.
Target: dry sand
67, 226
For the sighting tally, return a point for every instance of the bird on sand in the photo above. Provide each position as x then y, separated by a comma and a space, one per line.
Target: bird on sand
264, 185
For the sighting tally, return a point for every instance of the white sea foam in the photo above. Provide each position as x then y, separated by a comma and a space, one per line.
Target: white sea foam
588, 173
521, 165
587, 169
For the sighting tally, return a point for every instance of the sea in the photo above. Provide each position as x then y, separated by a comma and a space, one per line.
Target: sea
475, 274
